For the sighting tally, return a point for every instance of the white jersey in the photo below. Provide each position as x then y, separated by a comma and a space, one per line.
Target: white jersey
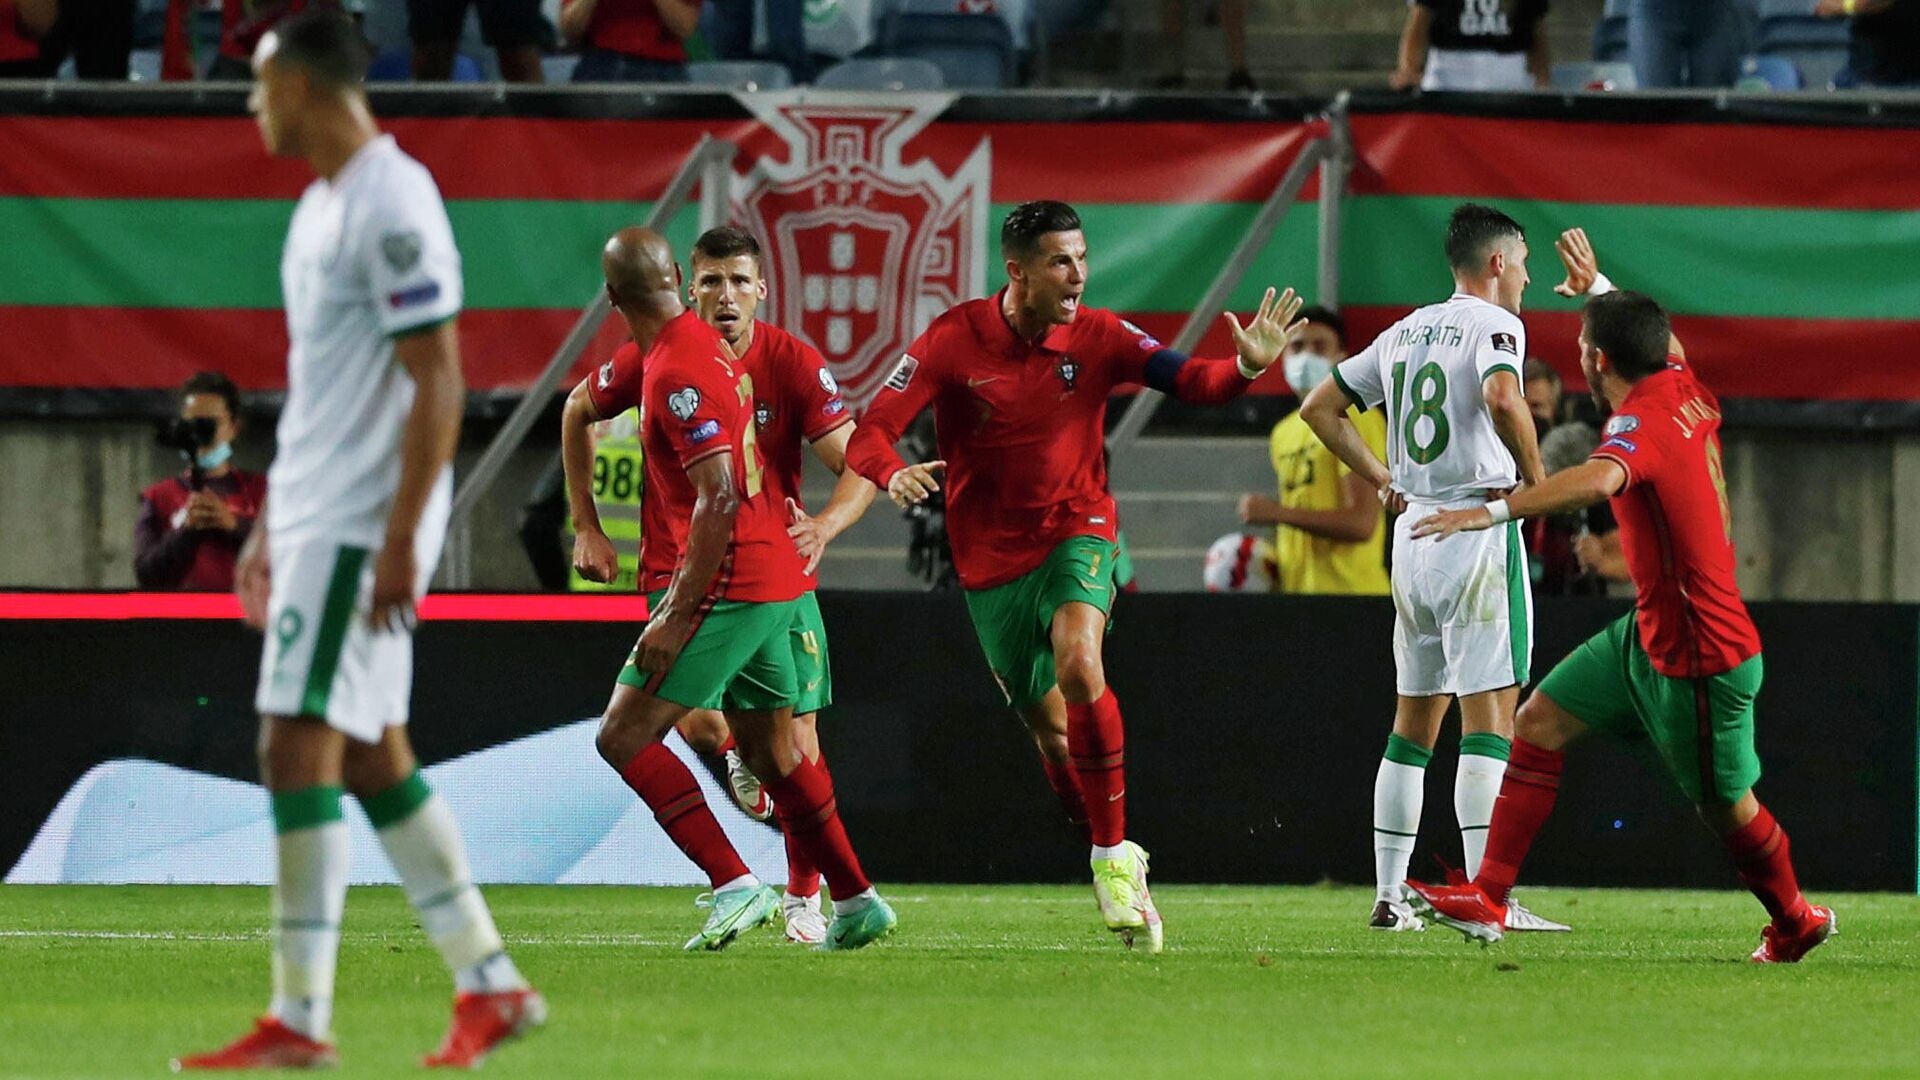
1428, 369
369, 257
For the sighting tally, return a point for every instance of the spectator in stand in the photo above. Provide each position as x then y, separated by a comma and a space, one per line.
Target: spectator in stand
728, 27
630, 40
514, 30
1330, 533
242, 24
23, 23
1885, 47
191, 526
1544, 390
1474, 45
98, 34
1676, 43
1232, 17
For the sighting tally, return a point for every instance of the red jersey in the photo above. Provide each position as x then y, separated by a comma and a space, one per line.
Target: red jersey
635, 28
1675, 526
696, 401
795, 402
1021, 424
167, 555
15, 45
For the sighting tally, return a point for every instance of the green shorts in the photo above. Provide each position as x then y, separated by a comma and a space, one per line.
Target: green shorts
1015, 620
739, 657
807, 638
1701, 728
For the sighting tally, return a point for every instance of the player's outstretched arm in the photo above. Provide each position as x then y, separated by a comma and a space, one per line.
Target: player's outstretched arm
852, 496
1325, 411
1569, 489
716, 504
1507, 404
432, 357
593, 554
1585, 279
906, 391
1258, 345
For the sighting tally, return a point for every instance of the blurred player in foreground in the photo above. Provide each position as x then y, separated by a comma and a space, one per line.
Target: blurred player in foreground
725, 585
361, 489
1459, 433
1683, 668
1019, 384
797, 404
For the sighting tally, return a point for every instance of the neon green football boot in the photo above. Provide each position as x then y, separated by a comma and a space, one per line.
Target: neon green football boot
1120, 887
734, 911
857, 929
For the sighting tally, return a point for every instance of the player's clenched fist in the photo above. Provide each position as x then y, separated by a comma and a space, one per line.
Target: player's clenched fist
913, 483
661, 642
593, 556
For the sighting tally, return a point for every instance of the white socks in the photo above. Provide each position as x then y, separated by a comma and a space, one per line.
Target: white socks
309, 897
744, 881
1476, 787
1399, 789
854, 903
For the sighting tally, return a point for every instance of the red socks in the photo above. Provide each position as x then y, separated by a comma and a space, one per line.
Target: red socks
803, 877
671, 792
1526, 798
1066, 788
1097, 743
803, 801
1760, 851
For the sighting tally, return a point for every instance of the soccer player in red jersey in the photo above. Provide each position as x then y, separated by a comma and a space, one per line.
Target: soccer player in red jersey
1682, 669
797, 404
723, 580
1019, 385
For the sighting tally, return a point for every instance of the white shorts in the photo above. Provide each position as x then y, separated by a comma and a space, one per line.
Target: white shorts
1463, 607
1450, 69
323, 658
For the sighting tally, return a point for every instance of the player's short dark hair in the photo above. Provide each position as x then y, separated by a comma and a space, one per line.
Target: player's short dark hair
1473, 229
1327, 317
1020, 234
726, 242
325, 43
1632, 329
212, 382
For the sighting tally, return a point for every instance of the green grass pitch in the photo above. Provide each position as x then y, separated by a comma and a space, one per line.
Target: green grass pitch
997, 983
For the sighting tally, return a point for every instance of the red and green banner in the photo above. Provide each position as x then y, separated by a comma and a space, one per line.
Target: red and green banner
137, 249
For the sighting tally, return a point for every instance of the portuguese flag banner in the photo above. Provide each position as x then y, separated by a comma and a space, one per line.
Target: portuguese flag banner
140, 242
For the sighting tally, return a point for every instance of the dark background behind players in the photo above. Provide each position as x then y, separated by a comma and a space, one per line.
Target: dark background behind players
191, 525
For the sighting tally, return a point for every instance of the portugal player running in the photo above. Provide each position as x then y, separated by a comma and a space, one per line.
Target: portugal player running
361, 488
1682, 669
725, 585
797, 404
1019, 386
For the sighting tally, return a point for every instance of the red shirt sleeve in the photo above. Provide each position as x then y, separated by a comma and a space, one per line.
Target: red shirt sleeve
817, 392
1135, 356
699, 407
1635, 441
614, 387
907, 390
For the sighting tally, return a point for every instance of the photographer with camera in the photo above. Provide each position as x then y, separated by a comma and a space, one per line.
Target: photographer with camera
191, 526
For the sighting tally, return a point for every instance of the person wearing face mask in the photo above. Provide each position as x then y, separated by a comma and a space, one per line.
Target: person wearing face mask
191, 526
1328, 535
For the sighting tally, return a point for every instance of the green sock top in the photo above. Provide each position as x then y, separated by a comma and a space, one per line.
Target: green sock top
1407, 752
1486, 744
398, 802
306, 808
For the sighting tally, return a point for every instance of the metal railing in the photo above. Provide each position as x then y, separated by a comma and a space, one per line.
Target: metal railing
709, 166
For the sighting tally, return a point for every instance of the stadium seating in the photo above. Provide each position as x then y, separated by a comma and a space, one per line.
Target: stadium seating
973, 52
740, 74
1768, 73
558, 67
891, 74
1574, 78
396, 65
1817, 47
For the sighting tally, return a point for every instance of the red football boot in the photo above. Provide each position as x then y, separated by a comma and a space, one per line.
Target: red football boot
482, 1022
1778, 946
270, 1045
1464, 907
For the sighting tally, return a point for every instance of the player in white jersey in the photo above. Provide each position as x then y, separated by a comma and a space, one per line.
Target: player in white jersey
358, 501
1459, 433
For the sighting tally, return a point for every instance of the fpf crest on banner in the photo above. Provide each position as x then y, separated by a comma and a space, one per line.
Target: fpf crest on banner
863, 249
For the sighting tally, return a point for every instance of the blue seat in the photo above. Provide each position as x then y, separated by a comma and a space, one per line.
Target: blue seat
889, 74
396, 65
973, 52
1579, 78
740, 74
557, 68
1610, 39
1768, 73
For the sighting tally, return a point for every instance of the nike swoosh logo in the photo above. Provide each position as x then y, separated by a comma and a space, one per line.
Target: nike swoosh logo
812, 686
971, 383
1116, 796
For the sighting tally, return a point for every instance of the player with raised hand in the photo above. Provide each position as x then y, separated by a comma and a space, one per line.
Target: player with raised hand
1019, 384
1458, 434
797, 404
1682, 669
361, 490
723, 579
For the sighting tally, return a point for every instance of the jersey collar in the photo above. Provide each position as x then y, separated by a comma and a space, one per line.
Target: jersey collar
990, 324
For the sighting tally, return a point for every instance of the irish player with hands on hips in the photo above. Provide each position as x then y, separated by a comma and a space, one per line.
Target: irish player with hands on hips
1019, 384
1681, 670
